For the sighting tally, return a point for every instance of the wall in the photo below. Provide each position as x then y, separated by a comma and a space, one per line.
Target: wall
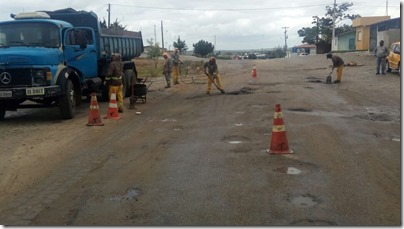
343, 41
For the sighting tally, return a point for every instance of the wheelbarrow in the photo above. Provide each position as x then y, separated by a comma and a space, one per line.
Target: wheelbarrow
139, 92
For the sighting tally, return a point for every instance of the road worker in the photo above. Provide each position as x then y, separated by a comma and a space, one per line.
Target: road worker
176, 66
338, 63
212, 71
381, 52
114, 79
168, 65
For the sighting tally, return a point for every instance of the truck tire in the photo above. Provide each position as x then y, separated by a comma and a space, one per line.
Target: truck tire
128, 76
67, 103
2, 113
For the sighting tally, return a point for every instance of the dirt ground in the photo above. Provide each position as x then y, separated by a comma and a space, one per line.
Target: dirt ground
192, 159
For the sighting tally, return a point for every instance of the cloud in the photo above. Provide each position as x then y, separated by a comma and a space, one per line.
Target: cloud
233, 24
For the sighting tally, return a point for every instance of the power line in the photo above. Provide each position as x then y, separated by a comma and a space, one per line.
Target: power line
223, 9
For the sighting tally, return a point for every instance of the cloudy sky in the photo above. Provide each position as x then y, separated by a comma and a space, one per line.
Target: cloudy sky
229, 25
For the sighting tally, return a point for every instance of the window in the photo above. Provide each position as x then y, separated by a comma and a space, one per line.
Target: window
359, 36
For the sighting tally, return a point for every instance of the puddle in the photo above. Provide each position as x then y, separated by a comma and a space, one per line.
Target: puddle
169, 120
293, 171
130, 195
235, 139
304, 201
235, 142
239, 124
288, 170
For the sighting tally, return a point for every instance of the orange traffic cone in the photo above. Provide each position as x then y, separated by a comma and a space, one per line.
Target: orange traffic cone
94, 118
254, 72
112, 112
279, 141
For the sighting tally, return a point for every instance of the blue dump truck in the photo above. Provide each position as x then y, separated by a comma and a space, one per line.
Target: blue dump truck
57, 58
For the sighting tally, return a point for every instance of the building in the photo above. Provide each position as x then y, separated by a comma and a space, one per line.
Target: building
346, 41
389, 31
304, 49
362, 26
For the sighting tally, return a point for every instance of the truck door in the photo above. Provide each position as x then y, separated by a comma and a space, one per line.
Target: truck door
80, 51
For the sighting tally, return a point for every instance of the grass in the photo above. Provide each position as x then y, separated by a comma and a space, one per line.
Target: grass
146, 67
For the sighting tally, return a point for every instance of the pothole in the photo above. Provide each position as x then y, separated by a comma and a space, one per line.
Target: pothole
312, 222
288, 170
304, 201
300, 109
312, 79
375, 117
396, 139
244, 90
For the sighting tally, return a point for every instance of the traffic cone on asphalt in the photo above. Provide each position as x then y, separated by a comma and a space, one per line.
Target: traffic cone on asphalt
94, 118
112, 112
279, 141
254, 72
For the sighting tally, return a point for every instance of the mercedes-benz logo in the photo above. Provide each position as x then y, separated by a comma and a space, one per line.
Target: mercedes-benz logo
5, 78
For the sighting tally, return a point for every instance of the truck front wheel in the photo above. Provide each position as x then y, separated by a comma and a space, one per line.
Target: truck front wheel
2, 112
67, 103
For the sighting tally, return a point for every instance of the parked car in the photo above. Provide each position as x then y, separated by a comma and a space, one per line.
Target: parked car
393, 59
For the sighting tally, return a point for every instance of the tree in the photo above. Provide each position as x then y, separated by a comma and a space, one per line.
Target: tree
154, 52
278, 52
203, 48
116, 24
182, 47
323, 26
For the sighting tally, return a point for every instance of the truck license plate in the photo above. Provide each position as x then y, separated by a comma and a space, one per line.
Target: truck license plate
35, 91
5, 94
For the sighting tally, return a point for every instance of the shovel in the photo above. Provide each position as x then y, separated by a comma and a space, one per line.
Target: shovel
211, 80
328, 80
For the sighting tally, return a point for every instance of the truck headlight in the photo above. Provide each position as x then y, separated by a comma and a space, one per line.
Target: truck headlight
39, 77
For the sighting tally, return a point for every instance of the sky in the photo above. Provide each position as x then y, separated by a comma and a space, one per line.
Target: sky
228, 25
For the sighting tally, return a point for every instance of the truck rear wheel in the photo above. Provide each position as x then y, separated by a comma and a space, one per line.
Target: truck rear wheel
67, 103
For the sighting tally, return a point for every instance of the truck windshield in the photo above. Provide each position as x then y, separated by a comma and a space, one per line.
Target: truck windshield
29, 34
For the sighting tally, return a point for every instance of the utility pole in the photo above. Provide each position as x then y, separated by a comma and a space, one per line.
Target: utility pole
214, 46
333, 28
155, 35
109, 15
387, 8
286, 37
162, 35
317, 32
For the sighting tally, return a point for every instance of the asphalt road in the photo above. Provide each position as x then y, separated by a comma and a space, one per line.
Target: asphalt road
192, 159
